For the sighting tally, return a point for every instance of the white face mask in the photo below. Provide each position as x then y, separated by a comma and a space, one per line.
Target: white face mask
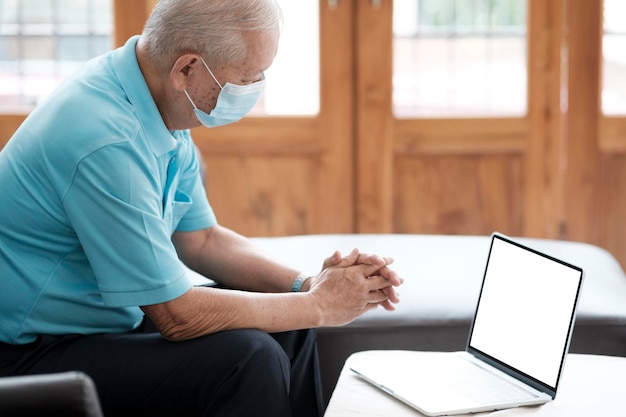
233, 102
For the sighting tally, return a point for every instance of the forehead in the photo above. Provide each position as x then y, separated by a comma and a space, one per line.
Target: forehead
261, 50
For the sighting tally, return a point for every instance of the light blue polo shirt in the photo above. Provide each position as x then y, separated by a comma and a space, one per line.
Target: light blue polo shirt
92, 186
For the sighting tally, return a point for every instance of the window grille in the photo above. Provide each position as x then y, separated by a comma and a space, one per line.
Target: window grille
43, 41
455, 58
614, 59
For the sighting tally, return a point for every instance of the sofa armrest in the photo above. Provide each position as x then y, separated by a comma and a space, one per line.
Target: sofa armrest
68, 394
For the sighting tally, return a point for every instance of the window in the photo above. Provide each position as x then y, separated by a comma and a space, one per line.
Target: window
292, 85
42, 41
456, 58
614, 59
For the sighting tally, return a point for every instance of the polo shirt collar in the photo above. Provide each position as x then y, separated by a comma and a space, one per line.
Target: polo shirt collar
134, 84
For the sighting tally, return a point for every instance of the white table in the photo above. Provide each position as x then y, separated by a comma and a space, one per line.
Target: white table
591, 385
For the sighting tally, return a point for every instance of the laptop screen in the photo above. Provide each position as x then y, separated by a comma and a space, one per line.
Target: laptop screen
526, 310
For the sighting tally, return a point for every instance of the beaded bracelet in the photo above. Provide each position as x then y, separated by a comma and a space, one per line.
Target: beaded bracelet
299, 281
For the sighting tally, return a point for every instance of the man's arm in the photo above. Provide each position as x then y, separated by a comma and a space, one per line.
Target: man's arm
232, 260
345, 289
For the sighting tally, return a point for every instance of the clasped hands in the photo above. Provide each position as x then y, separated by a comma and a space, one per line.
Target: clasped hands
350, 285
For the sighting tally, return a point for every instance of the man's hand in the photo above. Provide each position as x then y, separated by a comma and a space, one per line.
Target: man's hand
348, 286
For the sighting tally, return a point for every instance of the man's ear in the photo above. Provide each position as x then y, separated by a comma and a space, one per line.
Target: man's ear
182, 69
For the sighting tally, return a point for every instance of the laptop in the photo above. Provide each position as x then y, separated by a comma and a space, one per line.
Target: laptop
517, 344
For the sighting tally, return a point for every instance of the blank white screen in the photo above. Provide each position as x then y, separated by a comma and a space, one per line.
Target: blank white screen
525, 310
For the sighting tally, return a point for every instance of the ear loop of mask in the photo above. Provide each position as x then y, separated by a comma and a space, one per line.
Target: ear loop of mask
211, 72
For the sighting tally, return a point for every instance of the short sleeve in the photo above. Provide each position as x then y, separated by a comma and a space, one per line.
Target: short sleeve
115, 206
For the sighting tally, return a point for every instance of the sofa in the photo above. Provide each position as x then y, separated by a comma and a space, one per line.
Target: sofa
62, 394
442, 280
443, 274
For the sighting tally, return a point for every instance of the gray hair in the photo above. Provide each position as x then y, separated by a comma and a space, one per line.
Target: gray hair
212, 28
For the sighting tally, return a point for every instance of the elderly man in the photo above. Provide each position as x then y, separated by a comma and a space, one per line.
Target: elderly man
103, 206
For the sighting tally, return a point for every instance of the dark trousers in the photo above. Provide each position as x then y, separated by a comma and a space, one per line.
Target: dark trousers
233, 373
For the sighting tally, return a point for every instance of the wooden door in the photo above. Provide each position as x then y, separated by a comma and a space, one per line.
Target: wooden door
595, 187
469, 175
558, 171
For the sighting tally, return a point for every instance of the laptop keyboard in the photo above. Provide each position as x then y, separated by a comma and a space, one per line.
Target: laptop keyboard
479, 384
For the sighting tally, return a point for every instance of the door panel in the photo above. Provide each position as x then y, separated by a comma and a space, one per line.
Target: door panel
583, 193
254, 201
614, 207
457, 194
374, 129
